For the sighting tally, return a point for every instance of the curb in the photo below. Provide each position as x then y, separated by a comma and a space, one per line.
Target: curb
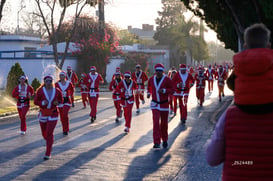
215, 116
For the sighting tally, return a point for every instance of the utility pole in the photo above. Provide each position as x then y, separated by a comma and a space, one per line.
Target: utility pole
101, 20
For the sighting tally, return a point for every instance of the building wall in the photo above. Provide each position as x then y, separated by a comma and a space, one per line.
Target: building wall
33, 68
111, 67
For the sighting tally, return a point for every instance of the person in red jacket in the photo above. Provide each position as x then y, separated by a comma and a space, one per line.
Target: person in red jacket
48, 98
172, 98
72, 77
67, 89
200, 79
183, 81
92, 81
126, 90
140, 78
116, 95
23, 92
210, 73
243, 136
221, 76
117, 70
84, 90
160, 86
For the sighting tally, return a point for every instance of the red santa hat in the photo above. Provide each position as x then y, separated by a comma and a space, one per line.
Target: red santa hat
83, 74
182, 67
92, 68
159, 66
118, 73
138, 66
48, 77
23, 77
62, 73
69, 68
127, 74
201, 69
118, 68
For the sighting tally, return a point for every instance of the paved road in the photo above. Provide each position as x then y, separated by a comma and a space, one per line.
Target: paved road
101, 151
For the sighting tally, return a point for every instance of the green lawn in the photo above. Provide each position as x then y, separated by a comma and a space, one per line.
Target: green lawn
8, 106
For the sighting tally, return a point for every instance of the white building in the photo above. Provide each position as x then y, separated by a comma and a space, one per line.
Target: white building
27, 51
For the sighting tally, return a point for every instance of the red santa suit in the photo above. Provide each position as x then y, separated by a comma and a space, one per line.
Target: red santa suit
172, 98
72, 77
126, 92
210, 73
116, 95
140, 78
200, 79
221, 76
117, 70
48, 100
92, 81
84, 90
23, 94
67, 89
182, 84
160, 88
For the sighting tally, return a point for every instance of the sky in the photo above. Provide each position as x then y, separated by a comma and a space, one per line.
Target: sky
122, 13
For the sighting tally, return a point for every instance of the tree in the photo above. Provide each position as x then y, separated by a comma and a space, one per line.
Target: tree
13, 77
126, 38
180, 34
34, 24
53, 30
229, 18
134, 58
1, 8
93, 50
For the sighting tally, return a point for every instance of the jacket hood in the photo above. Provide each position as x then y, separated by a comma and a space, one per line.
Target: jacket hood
254, 77
253, 61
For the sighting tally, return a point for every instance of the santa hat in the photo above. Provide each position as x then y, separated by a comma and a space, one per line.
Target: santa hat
68, 67
138, 66
159, 66
182, 67
92, 68
201, 69
62, 73
23, 77
127, 74
83, 74
118, 68
118, 73
49, 76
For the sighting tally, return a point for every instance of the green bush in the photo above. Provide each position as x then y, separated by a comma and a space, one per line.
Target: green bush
13, 77
35, 84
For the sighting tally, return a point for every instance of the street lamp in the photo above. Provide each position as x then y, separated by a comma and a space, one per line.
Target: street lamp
22, 7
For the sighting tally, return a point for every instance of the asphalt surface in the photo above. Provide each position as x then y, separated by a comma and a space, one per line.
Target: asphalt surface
102, 151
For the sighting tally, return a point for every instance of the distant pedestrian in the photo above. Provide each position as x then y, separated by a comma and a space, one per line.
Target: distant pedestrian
116, 95
84, 90
67, 89
172, 98
210, 73
243, 135
221, 76
160, 87
73, 78
48, 98
92, 81
183, 81
200, 79
23, 93
126, 90
140, 78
